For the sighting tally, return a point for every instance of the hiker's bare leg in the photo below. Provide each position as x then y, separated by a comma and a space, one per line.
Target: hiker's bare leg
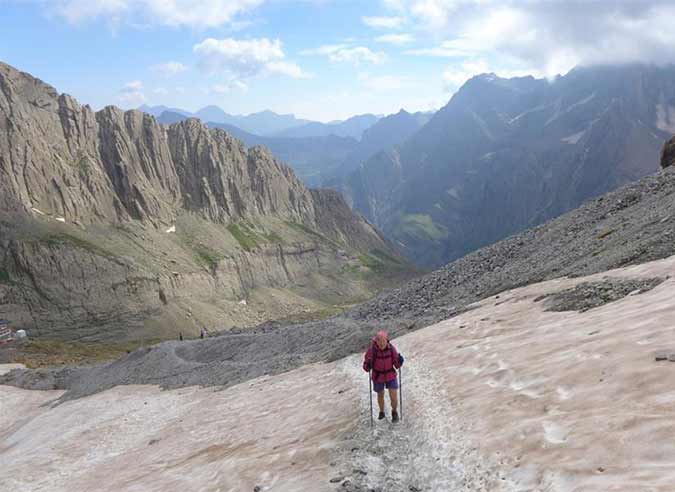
393, 395
380, 400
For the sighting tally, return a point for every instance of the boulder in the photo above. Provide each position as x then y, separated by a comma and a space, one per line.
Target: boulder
668, 153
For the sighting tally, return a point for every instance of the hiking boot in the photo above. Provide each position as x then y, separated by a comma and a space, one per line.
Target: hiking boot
394, 416
381, 416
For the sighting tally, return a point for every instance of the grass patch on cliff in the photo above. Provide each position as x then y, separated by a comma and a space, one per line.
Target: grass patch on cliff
62, 238
5, 278
45, 353
84, 167
311, 232
380, 266
381, 262
303, 228
386, 257
420, 227
207, 257
273, 237
245, 236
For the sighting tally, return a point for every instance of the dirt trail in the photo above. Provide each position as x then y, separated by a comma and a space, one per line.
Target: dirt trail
427, 451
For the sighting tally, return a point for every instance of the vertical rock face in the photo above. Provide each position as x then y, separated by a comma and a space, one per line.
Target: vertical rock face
668, 154
111, 166
90, 202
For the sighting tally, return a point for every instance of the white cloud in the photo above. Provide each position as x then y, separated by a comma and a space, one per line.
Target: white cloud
435, 13
169, 68
326, 49
384, 82
131, 95
384, 22
346, 53
160, 91
549, 35
456, 48
242, 59
133, 86
357, 55
190, 13
396, 38
454, 77
290, 69
229, 87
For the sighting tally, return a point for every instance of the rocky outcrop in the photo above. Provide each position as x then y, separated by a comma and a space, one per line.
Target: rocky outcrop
111, 166
668, 154
113, 224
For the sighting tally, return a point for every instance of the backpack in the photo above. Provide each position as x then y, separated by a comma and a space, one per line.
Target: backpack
376, 349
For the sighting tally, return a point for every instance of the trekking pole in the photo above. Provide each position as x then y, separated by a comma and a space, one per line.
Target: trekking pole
370, 393
400, 389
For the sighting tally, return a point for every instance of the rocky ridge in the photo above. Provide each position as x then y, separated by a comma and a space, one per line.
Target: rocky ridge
112, 225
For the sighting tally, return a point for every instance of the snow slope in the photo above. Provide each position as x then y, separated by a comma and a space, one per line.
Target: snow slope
503, 397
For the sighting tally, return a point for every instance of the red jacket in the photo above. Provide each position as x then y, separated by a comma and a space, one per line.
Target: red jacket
383, 362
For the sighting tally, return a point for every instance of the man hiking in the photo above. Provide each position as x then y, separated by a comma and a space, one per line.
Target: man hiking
383, 359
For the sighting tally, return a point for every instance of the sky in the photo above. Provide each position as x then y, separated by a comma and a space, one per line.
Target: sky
318, 59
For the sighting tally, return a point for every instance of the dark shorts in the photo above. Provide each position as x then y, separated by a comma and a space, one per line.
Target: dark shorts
379, 387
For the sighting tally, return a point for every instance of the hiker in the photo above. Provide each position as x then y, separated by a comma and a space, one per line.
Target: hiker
383, 359
180, 335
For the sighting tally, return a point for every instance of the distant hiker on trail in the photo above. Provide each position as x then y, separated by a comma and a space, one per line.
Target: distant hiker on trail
383, 359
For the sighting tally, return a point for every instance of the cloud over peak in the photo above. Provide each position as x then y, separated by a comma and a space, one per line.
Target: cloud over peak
550, 36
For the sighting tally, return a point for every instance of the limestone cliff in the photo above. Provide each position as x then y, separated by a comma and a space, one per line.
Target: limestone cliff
112, 224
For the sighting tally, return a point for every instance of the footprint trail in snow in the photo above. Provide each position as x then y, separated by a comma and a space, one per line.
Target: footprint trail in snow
427, 451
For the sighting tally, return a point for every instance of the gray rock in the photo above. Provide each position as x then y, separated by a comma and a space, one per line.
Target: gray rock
589, 295
668, 154
128, 180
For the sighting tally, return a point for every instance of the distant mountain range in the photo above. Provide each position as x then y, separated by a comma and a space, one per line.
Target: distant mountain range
270, 124
261, 123
324, 157
385, 134
352, 127
507, 154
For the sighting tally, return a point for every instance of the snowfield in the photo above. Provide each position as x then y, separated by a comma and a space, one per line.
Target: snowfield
505, 397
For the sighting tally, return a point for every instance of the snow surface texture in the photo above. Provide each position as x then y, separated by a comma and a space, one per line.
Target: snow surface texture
505, 397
